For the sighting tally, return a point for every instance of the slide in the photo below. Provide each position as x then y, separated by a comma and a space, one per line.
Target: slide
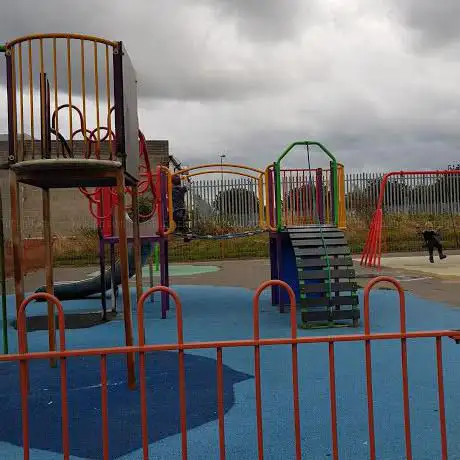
74, 290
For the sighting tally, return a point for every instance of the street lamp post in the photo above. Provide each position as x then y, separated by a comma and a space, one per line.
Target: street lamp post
222, 156
221, 166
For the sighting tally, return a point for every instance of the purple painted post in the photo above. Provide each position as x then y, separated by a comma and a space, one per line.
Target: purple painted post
102, 269
163, 242
166, 280
274, 268
112, 272
270, 201
319, 195
164, 276
278, 251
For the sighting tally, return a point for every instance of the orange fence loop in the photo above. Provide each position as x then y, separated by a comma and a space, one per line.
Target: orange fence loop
181, 357
405, 377
22, 333
295, 365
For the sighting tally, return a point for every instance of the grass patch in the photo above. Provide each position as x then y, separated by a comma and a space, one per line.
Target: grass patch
400, 234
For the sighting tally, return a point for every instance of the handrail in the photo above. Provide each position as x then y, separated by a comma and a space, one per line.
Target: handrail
90, 38
219, 171
214, 165
278, 178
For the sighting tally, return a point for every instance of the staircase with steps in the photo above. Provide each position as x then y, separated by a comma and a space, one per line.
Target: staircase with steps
323, 277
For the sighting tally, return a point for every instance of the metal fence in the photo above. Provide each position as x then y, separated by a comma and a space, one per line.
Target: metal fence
236, 200
303, 439
223, 203
418, 194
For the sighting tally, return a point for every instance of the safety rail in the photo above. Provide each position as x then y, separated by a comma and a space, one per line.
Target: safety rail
294, 341
278, 185
63, 79
306, 196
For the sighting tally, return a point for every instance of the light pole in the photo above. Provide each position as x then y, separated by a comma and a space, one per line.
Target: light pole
222, 156
221, 166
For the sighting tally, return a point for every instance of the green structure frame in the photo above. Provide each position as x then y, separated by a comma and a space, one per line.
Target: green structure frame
277, 165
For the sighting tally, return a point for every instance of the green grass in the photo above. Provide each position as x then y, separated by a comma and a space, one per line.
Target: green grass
400, 234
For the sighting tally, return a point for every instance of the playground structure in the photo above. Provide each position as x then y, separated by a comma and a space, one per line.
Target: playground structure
301, 209
30, 61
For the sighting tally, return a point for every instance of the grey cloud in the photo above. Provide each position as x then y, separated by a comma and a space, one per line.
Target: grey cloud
266, 20
246, 80
435, 23
173, 45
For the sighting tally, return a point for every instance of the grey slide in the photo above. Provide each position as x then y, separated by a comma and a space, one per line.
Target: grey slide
74, 290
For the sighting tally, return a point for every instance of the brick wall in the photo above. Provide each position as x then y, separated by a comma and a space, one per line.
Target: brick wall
69, 208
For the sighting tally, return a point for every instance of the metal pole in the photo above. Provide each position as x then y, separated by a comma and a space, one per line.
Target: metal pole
3, 266
157, 257
3, 279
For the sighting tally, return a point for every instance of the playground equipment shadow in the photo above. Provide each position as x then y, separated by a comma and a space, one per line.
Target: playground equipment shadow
223, 313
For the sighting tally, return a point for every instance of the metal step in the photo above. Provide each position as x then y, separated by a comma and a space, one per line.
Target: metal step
326, 235
324, 275
323, 288
318, 242
312, 316
321, 262
321, 251
334, 301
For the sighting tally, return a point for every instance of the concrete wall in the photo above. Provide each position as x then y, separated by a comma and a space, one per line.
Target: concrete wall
69, 208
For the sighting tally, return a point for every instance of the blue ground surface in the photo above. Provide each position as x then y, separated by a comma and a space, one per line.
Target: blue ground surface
216, 313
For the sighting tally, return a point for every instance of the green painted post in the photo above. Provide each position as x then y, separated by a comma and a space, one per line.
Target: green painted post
3, 279
157, 257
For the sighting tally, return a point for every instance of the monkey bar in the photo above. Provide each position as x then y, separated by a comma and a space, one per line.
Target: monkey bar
258, 175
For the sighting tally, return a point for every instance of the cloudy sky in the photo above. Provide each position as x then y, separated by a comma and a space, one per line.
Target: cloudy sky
375, 81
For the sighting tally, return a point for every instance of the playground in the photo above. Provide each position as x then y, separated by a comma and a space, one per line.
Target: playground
313, 352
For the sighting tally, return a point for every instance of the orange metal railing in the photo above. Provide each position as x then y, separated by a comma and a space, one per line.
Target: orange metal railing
294, 341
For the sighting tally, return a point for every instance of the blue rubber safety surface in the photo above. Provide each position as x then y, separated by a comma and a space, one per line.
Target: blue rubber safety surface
219, 313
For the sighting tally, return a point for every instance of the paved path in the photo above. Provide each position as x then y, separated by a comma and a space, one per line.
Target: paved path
439, 282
